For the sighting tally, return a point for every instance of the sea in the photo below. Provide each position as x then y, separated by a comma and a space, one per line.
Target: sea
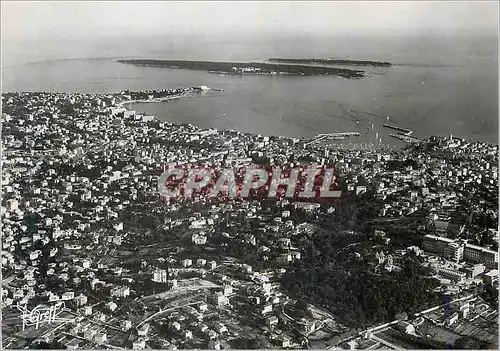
436, 85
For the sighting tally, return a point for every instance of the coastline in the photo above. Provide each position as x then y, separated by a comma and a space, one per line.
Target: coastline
469, 121
164, 99
405, 135
308, 140
330, 61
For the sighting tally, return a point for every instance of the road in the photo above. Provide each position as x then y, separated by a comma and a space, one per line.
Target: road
384, 342
469, 297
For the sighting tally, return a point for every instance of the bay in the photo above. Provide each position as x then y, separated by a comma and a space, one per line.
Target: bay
435, 86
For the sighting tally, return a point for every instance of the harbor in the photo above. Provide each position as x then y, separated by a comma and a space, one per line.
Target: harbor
404, 134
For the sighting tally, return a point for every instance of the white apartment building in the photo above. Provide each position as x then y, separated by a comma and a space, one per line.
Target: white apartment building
481, 254
457, 250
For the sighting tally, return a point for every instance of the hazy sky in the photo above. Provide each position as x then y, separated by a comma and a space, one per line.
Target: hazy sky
28, 20
33, 31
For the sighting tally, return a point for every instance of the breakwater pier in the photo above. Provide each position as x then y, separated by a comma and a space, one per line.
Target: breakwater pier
404, 130
337, 136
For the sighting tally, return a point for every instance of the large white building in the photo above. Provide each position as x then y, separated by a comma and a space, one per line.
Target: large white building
458, 250
454, 251
479, 254
435, 243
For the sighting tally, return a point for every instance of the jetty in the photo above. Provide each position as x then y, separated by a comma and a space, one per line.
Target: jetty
406, 138
337, 136
404, 130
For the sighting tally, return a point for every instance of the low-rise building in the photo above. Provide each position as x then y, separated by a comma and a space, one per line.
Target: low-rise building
219, 299
126, 325
272, 321
139, 344
143, 329
101, 338
491, 277
474, 270
451, 274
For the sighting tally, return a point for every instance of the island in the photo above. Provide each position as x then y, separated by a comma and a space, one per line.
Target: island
330, 61
255, 68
